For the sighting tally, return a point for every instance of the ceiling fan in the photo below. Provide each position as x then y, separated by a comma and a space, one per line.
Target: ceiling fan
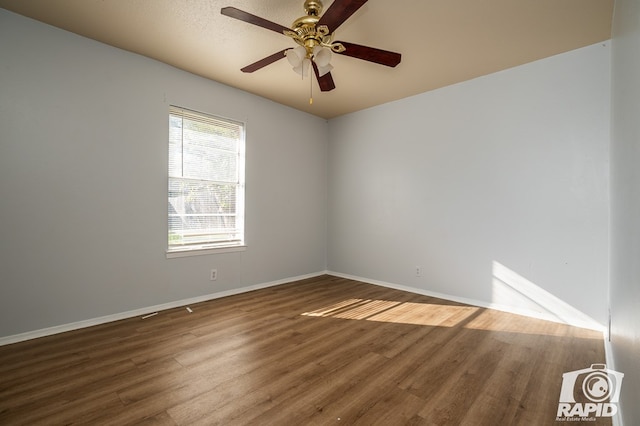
314, 35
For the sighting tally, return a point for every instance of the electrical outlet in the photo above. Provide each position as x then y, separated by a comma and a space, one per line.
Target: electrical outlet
214, 275
418, 271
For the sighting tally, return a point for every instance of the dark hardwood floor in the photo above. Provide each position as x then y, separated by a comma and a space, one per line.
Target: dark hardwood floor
322, 351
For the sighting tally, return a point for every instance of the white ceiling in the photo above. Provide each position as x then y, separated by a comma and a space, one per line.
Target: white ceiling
442, 42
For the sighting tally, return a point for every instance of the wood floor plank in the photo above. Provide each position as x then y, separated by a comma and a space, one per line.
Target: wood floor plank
465, 385
391, 407
306, 364
503, 390
324, 350
310, 400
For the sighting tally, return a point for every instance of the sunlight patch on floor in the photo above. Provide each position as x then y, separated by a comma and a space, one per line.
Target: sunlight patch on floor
498, 321
395, 312
444, 315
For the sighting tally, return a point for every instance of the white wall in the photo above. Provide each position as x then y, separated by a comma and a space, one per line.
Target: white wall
83, 182
501, 178
625, 204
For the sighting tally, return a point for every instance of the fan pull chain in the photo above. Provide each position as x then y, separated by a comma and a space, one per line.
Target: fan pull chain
310, 88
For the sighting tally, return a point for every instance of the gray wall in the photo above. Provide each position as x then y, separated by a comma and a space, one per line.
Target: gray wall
625, 204
83, 182
497, 187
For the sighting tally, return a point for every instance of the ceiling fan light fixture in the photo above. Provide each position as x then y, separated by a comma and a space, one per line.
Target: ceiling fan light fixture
296, 56
323, 70
321, 56
314, 33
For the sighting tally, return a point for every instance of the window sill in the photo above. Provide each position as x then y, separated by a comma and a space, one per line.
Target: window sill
172, 254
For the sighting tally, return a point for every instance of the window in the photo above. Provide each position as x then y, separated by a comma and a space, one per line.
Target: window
206, 181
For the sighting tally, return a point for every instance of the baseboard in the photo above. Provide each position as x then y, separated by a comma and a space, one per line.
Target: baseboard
157, 308
144, 311
592, 325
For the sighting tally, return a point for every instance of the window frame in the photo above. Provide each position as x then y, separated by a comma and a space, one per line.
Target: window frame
194, 249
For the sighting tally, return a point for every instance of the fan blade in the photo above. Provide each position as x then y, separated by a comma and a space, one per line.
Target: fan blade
326, 81
339, 12
252, 19
371, 54
264, 62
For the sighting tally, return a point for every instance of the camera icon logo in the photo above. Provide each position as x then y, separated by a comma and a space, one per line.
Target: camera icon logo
590, 391
597, 383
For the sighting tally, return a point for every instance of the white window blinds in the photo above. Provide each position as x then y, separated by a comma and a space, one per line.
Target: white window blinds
206, 181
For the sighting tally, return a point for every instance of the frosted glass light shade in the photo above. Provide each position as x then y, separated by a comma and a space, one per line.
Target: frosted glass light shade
324, 70
321, 56
302, 65
296, 56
